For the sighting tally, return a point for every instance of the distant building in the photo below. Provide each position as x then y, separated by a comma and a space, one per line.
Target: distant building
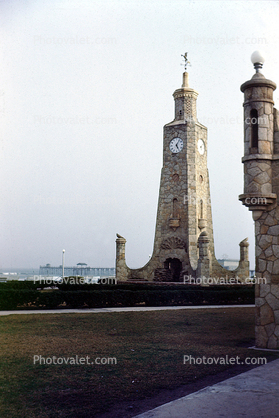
228, 264
81, 269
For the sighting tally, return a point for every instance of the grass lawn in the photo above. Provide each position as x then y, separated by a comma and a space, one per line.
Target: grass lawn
148, 346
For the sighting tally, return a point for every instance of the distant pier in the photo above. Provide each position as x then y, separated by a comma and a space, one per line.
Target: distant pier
80, 269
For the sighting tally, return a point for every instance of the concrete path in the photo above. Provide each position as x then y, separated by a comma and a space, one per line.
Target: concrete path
253, 394
130, 309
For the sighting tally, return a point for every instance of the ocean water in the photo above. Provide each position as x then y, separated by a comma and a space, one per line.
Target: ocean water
18, 273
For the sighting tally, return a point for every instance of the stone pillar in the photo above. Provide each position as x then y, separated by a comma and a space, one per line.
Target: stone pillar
121, 272
261, 196
258, 144
267, 287
244, 254
204, 259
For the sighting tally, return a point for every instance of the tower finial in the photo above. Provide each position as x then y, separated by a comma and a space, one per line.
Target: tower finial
186, 61
258, 60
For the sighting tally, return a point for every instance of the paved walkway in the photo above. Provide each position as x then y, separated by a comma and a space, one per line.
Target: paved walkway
130, 309
253, 394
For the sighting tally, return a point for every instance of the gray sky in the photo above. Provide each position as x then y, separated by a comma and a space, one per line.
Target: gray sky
85, 89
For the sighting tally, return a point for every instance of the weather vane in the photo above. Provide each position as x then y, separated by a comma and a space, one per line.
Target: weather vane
186, 60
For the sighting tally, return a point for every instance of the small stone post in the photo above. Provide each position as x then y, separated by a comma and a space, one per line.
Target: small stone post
244, 255
120, 268
204, 261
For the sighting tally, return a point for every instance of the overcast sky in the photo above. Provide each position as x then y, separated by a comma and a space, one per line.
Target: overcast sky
85, 90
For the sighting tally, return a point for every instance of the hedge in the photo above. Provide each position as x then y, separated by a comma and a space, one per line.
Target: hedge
100, 296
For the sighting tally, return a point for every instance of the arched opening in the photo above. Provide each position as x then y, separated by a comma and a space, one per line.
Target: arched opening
174, 266
254, 130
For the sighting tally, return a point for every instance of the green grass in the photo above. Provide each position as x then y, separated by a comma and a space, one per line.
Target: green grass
149, 348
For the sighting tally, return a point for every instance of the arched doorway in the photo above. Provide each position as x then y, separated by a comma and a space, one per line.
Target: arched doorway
174, 266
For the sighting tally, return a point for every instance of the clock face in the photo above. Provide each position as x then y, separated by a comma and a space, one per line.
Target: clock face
176, 145
201, 146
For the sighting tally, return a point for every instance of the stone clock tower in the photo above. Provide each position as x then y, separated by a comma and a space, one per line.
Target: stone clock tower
184, 209
183, 244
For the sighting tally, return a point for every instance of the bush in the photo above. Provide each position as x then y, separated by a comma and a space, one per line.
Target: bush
18, 285
12, 299
50, 299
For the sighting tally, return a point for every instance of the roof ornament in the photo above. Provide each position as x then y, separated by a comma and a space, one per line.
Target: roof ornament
258, 60
186, 61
